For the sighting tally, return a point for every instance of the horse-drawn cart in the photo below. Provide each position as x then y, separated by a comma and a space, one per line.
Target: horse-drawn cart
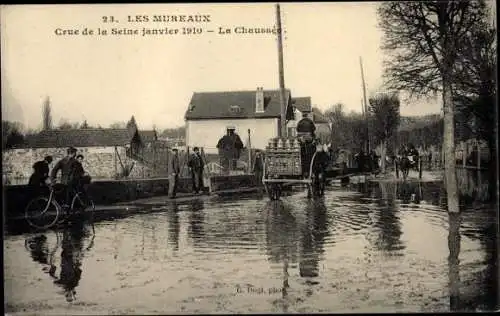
288, 161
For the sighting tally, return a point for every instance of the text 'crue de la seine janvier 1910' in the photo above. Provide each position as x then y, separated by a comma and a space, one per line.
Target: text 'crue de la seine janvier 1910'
192, 30
135, 25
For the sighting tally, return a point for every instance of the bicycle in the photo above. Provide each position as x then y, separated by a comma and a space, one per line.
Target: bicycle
44, 212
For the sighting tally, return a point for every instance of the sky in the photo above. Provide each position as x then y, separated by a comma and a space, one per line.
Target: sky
108, 78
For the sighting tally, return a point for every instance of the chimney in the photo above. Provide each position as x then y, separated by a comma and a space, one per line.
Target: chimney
259, 100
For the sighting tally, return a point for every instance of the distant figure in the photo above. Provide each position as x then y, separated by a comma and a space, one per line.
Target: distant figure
413, 155
258, 166
196, 164
373, 161
80, 176
173, 172
229, 146
40, 173
360, 159
66, 166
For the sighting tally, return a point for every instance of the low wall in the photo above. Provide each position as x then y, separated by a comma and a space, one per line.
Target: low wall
106, 192
102, 192
231, 182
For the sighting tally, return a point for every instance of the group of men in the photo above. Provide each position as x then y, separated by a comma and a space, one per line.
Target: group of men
195, 164
73, 175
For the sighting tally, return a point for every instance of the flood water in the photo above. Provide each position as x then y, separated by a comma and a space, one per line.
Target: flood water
378, 247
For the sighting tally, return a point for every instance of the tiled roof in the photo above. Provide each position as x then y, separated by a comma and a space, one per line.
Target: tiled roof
235, 104
79, 138
303, 104
148, 136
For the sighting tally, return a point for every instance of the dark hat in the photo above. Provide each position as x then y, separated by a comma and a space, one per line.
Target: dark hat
196, 149
71, 150
48, 159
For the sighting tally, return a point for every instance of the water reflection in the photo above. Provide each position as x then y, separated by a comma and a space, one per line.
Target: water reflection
282, 232
385, 248
196, 220
314, 232
387, 221
282, 236
38, 247
74, 240
409, 192
72, 253
173, 226
474, 186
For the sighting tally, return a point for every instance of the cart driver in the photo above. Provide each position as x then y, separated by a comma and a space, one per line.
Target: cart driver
306, 128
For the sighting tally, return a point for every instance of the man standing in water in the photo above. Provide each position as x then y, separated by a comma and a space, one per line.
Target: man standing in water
37, 181
173, 173
258, 167
196, 165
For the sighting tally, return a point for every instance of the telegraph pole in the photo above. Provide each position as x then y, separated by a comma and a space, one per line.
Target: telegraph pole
365, 108
282, 131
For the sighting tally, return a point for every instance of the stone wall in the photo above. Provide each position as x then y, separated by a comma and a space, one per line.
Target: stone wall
99, 162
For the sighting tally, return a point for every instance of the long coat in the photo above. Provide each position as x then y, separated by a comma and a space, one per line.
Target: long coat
66, 166
174, 164
230, 146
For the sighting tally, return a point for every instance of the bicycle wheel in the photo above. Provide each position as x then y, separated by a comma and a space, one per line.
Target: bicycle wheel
41, 213
84, 205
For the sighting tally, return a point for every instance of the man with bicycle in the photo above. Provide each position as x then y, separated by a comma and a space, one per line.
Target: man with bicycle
67, 166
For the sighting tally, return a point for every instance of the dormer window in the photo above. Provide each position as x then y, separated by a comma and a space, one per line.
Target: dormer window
235, 109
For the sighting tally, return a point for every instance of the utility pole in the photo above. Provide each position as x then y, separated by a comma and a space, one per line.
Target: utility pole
282, 131
365, 105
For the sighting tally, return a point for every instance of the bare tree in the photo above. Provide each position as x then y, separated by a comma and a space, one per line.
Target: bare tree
425, 40
384, 117
337, 119
84, 125
11, 134
46, 115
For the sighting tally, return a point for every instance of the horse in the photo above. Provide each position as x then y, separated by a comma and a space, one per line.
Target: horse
407, 162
